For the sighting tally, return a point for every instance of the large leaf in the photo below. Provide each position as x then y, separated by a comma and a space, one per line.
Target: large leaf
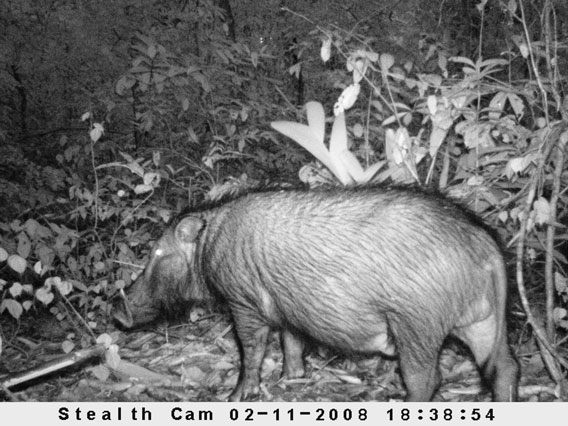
348, 159
355, 169
337, 149
371, 171
338, 140
305, 137
316, 120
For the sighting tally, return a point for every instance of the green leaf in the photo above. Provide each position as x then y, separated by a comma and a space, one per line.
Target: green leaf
305, 136
112, 357
52, 282
79, 285
152, 179
12, 306
44, 295
64, 287
16, 289
386, 61
541, 208
560, 283
67, 346
105, 339
124, 84
100, 372
31, 226
141, 189
17, 263
24, 245
517, 104
462, 60
316, 120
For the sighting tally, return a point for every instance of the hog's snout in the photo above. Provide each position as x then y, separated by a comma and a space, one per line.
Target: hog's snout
122, 311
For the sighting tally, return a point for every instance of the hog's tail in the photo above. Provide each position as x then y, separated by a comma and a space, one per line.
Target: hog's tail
501, 368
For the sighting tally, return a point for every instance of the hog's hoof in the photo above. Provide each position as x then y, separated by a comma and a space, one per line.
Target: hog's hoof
241, 393
293, 372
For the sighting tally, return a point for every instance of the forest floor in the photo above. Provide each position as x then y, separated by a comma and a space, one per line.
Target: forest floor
199, 361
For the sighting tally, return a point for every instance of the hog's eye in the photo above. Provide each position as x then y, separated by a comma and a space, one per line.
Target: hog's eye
158, 252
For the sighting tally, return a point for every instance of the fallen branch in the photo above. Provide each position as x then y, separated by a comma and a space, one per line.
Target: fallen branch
73, 358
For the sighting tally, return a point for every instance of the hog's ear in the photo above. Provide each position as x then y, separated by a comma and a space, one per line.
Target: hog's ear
188, 229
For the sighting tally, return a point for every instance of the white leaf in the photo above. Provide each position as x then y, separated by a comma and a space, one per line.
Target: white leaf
156, 158
141, 189
96, 132
100, 372
542, 210
524, 50
52, 281
316, 120
135, 168
44, 295
503, 216
352, 165
346, 99
326, 50
305, 136
559, 313
16, 289
152, 178
475, 181
17, 263
560, 282
64, 287
105, 339
67, 346
386, 61
358, 130
112, 357
359, 70
338, 140
3, 255
432, 104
